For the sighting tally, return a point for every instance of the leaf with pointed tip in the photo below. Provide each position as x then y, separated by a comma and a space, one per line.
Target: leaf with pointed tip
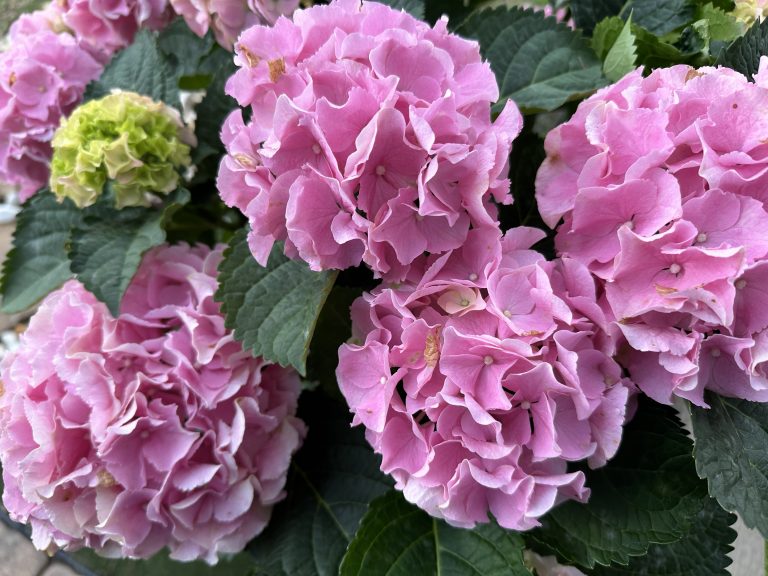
141, 68
334, 478
648, 494
38, 262
622, 55
272, 310
107, 246
704, 550
539, 63
396, 538
743, 55
334, 327
730, 451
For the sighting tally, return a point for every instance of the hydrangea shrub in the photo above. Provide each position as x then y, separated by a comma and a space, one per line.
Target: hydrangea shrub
406, 287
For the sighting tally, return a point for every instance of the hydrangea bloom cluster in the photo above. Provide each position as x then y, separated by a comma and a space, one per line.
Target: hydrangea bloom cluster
107, 26
370, 138
228, 18
480, 382
43, 75
148, 430
136, 143
661, 184
749, 11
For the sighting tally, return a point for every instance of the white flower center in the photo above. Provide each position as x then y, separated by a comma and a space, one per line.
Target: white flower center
675, 268
381, 170
488, 360
701, 238
741, 284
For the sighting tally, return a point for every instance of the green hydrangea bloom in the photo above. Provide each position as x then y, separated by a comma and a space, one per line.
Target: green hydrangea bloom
136, 143
748, 11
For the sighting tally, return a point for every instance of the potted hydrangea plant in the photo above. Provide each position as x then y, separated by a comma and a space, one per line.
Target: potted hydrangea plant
402, 287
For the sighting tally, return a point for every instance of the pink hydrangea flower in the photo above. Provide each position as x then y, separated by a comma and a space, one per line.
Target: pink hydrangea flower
228, 18
107, 26
479, 383
154, 429
43, 75
370, 138
660, 184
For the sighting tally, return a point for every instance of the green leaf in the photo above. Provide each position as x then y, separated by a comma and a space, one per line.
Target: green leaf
648, 494
744, 54
334, 327
731, 439
272, 310
524, 163
587, 13
183, 49
397, 539
719, 25
202, 62
539, 62
704, 550
622, 55
652, 52
605, 35
140, 68
195, 82
160, 565
414, 7
38, 262
334, 478
107, 247
724, 5
661, 16
211, 113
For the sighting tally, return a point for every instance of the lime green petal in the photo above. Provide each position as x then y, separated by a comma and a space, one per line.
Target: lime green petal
130, 139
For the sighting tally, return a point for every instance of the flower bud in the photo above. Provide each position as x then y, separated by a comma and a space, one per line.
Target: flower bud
134, 142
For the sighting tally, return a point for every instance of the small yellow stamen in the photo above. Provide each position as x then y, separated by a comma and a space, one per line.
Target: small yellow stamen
276, 69
106, 480
533, 333
432, 348
252, 60
665, 290
693, 73
245, 161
